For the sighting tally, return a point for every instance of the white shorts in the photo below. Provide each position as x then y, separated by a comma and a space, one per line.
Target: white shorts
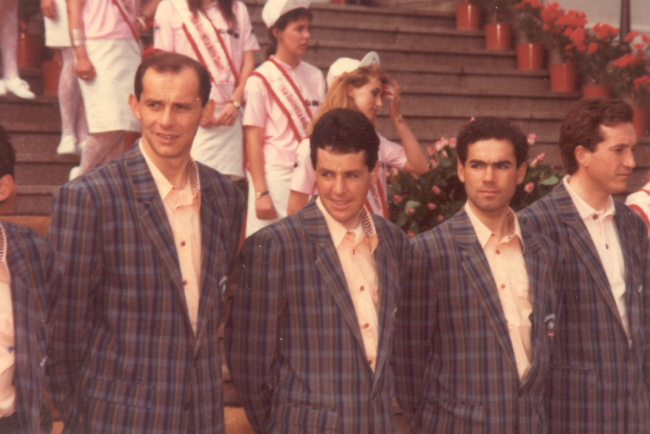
220, 148
106, 97
57, 34
278, 180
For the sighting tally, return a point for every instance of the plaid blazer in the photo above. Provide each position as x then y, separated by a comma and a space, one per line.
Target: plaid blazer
454, 364
34, 273
294, 345
597, 383
124, 356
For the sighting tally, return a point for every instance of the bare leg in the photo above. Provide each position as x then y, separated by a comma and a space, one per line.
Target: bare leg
69, 101
9, 38
100, 149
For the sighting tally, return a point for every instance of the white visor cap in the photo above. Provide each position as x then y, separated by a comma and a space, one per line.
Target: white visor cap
274, 9
345, 64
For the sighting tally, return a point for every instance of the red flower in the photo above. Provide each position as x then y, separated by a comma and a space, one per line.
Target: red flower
625, 61
397, 198
592, 47
528, 188
410, 211
630, 36
410, 234
642, 82
645, 39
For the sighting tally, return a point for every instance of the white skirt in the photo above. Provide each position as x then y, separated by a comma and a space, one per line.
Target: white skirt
278, 181
106, 97
220, 148
57, 34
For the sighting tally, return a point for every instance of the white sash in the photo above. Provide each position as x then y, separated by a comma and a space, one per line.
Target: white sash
208, 48
376, 200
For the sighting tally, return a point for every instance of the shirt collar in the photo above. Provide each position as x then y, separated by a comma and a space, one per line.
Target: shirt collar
286, 66
585, 210
366, 228
165, 187
483, 233
3, 245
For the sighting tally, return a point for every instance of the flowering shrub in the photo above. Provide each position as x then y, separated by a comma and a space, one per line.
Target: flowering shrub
419, 203
629, 73
496, 10
563, 29
529, 22
594, 50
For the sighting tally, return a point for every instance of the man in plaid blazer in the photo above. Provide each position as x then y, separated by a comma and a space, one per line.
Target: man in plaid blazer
474, 328
310, 332
29, 273
599, 375
147, 242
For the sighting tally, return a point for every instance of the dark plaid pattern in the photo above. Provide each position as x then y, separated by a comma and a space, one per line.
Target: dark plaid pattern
124, 356
34, 273
597, 383
293, 339
455, 367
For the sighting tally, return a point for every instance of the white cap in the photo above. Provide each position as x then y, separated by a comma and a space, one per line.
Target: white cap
274, 9
345, 64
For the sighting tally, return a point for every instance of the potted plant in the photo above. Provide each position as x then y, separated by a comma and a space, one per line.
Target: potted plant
498, 30
630, 78
594, 50
468, 16
529, 34
420, 203
557, 25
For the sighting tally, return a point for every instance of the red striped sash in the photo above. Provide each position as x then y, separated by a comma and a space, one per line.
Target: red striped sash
283, 108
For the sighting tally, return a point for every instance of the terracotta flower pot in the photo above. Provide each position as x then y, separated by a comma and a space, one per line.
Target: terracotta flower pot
596, 91
563, 77
28, 50
468, 16
338, 2
51, 70
497, 36
640, 121
530, 56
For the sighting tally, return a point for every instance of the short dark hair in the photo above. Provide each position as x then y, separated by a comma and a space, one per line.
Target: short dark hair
174, 63
345, 131
581, 126
282, 23
7, 154
486, 128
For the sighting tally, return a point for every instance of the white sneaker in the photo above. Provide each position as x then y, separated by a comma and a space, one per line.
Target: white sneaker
81, 146
68, 145
19, 87
3, 89
74, 172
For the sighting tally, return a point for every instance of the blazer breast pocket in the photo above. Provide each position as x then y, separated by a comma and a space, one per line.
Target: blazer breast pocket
296, 419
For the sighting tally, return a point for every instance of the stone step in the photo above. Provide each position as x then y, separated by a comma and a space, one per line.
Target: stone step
353, 15
370, 32
34, 199
44, 169
32, 111
326, 52
36, 142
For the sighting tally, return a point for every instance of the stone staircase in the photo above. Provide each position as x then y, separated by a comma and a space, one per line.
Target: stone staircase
446, 76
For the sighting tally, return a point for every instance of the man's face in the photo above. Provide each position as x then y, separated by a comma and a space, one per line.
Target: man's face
343, 182
609, 166
490, 175
170, 112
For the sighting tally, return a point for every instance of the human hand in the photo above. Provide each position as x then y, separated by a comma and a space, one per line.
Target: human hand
394, 96
84, 68
227, 116
264, 209
48, 8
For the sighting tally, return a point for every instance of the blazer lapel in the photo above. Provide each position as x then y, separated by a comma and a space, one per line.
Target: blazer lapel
154, 221
329, 268
214, 260
631, 254
481, 281
583, 246
387, 281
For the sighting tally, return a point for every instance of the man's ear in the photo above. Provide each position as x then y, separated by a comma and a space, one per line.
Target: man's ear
6, 187
582, 156
135, 108
521, 173
460, 169
208, 113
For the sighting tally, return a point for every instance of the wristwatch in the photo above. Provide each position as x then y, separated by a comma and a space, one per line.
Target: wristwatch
237, 105
260, 194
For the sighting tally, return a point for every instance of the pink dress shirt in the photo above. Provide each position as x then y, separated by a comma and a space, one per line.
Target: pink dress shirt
506, 260
103, 20
279, 143
601, 228
356, 249
7, 336
169, 35
183, 211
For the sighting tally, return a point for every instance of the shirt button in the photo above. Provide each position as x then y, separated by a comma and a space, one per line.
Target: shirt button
184, 282
353, 252
182, 243
595, 217
503, 286
498, 252
362, 288
370, 361
366, 325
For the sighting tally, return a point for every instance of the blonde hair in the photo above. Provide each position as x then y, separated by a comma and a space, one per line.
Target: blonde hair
337, 94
